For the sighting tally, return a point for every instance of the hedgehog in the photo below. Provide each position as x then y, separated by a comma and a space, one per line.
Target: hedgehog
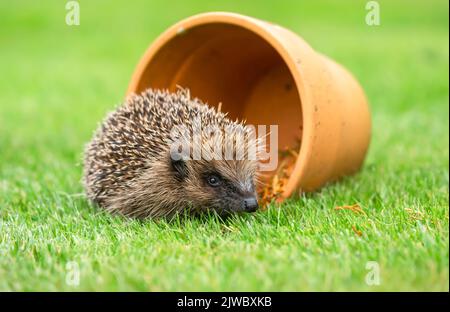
141, 160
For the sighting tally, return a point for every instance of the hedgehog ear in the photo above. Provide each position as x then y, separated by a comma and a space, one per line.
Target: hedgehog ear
178, 163
179, 154
180, 168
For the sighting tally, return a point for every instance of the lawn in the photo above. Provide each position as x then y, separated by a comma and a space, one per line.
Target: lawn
58, 81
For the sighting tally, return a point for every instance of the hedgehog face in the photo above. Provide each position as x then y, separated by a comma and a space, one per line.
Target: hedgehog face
225, 186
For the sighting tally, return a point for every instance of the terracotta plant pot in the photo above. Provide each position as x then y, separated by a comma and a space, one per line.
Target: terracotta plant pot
267, 75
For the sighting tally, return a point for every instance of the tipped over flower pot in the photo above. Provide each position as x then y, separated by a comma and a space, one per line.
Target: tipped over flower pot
267, 75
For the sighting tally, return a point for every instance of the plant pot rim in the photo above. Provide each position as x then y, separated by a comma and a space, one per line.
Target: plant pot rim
265, 30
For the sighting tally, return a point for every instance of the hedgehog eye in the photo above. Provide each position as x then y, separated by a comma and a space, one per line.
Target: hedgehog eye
213, 180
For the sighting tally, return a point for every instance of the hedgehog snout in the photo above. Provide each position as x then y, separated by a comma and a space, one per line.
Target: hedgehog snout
237, 202
245, 202
250, 204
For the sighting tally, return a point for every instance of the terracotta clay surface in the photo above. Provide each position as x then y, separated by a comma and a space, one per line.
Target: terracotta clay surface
267, 75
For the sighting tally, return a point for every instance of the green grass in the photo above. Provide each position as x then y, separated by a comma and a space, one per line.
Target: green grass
57, 82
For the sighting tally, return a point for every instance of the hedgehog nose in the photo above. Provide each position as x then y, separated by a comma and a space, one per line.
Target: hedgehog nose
250, 204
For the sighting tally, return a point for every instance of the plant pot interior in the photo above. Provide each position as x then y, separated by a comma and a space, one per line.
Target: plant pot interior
228, 64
